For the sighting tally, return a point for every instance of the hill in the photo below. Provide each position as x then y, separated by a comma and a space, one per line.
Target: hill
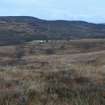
19, 29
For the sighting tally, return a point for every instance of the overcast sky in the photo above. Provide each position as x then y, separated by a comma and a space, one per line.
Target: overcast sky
88, 10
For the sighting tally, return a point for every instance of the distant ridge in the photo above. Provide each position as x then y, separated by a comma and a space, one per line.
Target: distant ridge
19, 29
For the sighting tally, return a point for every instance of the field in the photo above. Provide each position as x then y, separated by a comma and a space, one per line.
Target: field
53, 73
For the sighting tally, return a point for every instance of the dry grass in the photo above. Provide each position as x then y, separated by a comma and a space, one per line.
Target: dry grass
66, 77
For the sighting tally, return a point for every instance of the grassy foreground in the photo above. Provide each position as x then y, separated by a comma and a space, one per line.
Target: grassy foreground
65, 74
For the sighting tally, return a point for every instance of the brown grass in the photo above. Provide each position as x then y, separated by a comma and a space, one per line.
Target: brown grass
69, 76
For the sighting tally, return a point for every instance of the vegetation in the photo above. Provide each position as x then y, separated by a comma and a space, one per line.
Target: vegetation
14, 30
68, 74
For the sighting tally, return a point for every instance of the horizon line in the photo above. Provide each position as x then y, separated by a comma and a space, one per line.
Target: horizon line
68, 20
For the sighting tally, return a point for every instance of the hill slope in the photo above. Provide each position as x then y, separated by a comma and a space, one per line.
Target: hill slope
16, 29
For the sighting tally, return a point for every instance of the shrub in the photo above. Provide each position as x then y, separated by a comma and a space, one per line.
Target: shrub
50, 51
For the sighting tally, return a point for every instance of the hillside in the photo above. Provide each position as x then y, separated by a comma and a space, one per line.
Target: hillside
17, 29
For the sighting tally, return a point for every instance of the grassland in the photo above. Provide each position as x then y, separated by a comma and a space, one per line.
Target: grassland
53, 73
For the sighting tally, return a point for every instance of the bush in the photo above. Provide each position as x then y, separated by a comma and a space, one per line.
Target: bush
50, 51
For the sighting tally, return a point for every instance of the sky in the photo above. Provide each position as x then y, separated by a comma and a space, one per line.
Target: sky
86, 10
